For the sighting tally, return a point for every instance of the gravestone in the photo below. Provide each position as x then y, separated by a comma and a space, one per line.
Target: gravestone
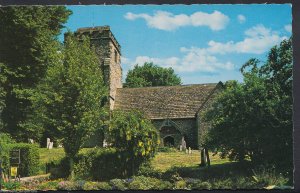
186, 151
51, 145
190, 150
48, 143
105, 144
183, 143
180, 148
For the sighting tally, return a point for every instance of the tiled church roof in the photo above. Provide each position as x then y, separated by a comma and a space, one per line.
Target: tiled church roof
164, 101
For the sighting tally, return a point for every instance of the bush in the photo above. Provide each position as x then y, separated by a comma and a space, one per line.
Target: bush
117, 184
69, 185
29, 155
148, 171
97, 186
181, 184
5, 141
196, 184
266, 176
59, 168
11, 185
99, 164
50, 185
148, 183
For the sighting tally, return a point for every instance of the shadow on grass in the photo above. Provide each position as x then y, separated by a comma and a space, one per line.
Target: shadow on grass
218, 171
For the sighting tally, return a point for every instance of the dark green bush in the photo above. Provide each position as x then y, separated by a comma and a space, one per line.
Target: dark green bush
99, 164
59, 168
29, 155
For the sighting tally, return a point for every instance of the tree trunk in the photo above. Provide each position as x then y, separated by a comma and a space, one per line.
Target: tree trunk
71, 164
207, 156
203, 159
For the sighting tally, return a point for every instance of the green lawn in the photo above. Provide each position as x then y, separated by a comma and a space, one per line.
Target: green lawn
162, 161
165, 160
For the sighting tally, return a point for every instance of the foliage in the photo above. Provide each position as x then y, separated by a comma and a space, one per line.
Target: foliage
118, 184
148, 183
196, 184
97, 186
69, 99
48, 185
266, 176
134, 137
29, 155
5, 141
27, 43
11, 185
99, 164
253, 120
151, 75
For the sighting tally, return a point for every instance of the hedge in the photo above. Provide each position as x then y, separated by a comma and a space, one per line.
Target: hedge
99, 164
29, 155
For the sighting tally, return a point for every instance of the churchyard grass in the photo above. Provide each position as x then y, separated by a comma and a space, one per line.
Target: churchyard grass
166, 160
162, 160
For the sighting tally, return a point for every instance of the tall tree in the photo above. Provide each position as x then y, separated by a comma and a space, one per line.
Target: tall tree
151, 75
70, 98
27, 41
253, 119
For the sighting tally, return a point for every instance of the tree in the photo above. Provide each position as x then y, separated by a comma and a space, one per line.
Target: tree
70, 97
27, 42
253, 120
151, 75
134, 137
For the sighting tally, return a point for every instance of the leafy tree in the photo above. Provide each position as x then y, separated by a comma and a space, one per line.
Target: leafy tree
134, 137
151, 75
27, 42
253, 120
70, 97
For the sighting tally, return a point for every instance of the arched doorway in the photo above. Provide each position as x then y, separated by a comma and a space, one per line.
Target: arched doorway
169, 141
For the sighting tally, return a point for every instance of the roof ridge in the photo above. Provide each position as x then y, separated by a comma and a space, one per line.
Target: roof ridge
173, 86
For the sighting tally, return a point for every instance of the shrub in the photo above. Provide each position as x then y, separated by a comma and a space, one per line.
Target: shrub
117, 184
99, 164
181, 184
50, 185
59, 168
29, 155
267, 176
5, 141
147, 170
148, 183
196, 184
134, 137
11, 185
67, 185
103, 186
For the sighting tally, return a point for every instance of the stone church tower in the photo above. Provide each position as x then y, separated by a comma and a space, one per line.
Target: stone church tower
109, 54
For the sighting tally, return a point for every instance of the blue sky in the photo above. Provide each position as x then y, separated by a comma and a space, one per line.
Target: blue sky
202, 43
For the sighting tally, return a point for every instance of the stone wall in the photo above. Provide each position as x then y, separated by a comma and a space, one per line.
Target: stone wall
187, 128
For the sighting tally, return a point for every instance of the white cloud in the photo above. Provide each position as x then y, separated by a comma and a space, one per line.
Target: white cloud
258, 40
167, 21
241, 18
288, 28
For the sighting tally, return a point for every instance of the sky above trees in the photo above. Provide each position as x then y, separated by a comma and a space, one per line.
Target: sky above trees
202, 43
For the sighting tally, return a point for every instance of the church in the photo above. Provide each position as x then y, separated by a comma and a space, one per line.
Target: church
174, 110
